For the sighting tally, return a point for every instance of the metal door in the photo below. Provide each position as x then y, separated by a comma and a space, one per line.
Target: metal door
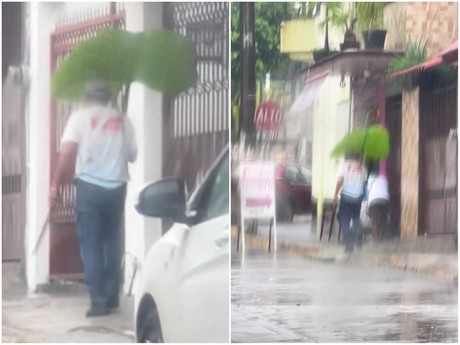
438, 160
64, 251
393, 118
14, 170
196, 122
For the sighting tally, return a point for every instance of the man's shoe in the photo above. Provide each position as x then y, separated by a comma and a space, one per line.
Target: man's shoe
97, 311
113, 302
359, 241
349, 249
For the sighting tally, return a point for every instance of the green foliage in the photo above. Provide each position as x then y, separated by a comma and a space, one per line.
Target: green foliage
267, 24
161, 59
370, 15
440, 76
374, 142
166, 62
415, 54
377, 144
268, 18
350, 143
337, 15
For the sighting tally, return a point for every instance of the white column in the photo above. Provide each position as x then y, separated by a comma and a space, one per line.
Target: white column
145, 109
42, 19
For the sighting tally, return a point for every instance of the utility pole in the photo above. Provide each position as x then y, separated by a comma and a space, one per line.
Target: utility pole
248, 74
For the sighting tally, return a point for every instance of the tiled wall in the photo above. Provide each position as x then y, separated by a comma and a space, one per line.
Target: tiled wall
410, 164
435, 22
394, 19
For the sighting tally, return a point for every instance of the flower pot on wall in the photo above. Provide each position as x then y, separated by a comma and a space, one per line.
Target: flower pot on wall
319, 55
350, 45
374, 39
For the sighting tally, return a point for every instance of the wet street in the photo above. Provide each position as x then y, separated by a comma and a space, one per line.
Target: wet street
291, 299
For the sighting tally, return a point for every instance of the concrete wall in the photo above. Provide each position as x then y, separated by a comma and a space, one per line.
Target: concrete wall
145, 111
330, 124
410, 164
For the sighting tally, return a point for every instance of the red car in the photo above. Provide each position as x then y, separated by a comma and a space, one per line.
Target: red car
293, 192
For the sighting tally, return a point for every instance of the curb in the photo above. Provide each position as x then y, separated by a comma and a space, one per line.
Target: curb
337, 255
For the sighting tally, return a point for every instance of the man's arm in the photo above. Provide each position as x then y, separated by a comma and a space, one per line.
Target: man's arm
338, 187
64, 168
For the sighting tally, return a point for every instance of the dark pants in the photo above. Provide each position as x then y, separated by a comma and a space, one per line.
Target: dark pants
378, 212
349, 210
99, 215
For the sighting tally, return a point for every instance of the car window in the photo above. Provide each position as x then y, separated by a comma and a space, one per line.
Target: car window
292, 174
305, 175
218, 199
212, 199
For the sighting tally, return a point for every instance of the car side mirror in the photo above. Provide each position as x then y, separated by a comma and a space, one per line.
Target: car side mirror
164, 199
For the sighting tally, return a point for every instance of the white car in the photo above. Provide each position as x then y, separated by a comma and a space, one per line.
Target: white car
184, 288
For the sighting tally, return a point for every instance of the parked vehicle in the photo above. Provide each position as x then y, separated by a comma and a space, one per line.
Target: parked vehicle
293, 191
184, 288
292, 188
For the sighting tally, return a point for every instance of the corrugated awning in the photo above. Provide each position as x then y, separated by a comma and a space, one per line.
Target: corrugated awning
308, 94
420, 67
448, 55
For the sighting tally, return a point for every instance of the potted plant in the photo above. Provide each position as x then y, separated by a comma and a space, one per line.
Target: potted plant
370, 23
415, 54
333, 10
349, 40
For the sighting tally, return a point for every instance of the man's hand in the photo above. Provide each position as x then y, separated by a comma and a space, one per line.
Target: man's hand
335, 202
54, 193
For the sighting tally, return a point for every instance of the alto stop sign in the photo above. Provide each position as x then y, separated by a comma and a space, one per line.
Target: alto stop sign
269, 115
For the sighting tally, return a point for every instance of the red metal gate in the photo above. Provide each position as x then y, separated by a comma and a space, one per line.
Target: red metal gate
196, 122
64, 251
438, 160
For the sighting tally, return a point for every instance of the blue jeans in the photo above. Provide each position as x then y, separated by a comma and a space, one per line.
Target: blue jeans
349, 210
99, 216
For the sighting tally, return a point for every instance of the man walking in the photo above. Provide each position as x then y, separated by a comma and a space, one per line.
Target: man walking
351, 178
102, 142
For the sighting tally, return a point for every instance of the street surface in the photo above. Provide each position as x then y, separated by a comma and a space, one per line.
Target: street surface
286, 298
59, 316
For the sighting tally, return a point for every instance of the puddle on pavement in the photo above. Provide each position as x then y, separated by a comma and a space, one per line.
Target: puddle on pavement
99, 329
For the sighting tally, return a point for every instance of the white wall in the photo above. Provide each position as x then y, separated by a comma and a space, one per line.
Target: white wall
42, 19
145, 111
330, 124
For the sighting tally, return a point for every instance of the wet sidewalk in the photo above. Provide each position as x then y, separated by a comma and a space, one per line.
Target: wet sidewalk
57, 315
433, 256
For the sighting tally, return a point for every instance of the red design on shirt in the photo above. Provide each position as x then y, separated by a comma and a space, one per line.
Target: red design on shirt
94, 122
114, 124
355, 169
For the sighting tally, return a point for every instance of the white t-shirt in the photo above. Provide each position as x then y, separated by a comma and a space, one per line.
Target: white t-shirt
106, 143
354, 176
378, 189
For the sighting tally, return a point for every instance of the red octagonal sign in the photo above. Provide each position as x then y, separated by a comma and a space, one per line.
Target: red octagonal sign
269, 115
